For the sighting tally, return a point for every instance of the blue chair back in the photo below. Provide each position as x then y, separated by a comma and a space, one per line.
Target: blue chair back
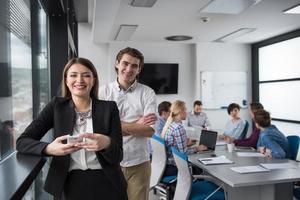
184, 177
159, 159
293, 145
245, 130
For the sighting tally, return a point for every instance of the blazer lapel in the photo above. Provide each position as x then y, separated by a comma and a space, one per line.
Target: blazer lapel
68, 118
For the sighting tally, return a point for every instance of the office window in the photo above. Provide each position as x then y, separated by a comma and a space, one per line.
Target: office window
280, 60
276, 79
15, 59
23, 69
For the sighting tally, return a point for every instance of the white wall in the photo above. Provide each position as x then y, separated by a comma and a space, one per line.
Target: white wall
97, 53
103, 57
222, 57
191, 58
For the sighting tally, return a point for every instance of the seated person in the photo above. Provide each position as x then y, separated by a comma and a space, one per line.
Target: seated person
271, 141
252, 140
164, 113
197, 117
236, 125
175, 136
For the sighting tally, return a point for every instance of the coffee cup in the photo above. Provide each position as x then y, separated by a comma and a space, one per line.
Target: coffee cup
230, 147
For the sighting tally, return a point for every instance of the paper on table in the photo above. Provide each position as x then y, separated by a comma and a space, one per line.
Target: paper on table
278, 166
249, 169
221, 142
215, 160
244, 149
250, 154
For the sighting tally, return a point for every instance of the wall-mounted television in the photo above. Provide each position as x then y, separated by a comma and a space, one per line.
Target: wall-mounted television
161, 77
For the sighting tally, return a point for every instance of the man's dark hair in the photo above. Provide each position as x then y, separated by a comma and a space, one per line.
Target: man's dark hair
198, 103
164, 106
232, 106
262, 118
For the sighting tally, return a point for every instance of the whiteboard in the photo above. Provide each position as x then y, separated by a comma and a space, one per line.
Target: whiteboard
219, 89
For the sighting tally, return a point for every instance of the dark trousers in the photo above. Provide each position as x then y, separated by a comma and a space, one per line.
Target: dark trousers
90, 185
170, 170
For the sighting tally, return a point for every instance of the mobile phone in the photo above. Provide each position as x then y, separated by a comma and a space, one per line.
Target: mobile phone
74, 139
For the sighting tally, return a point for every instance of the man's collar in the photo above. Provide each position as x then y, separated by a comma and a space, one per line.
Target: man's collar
130, 89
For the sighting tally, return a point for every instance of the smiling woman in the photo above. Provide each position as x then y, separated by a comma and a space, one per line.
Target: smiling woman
91, 162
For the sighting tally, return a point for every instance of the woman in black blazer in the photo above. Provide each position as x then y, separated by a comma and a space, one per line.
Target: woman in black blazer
86, 167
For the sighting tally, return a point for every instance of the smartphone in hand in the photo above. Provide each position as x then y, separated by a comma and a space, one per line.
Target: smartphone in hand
74, 139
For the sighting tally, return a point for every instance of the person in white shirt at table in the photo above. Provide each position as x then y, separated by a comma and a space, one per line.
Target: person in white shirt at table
235, 126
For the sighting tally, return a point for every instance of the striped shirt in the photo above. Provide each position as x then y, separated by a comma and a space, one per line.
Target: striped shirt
176, 137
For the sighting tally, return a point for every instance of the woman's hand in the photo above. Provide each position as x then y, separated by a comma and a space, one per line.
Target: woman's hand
94, 142
201, 147
267, 152
229, 139
57, 148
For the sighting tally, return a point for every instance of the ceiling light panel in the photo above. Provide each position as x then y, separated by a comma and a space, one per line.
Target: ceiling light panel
142, 3
235, 34
293, 10
228, 6
125, 32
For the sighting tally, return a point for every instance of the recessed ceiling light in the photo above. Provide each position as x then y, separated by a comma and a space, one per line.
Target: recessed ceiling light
293, 10
228, 6
142, 3
178, 38
125, 32
235, 34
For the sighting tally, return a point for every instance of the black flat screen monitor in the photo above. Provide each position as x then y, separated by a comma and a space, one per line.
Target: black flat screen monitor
161, 77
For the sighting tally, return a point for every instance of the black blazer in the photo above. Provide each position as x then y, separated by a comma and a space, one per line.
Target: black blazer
60, 115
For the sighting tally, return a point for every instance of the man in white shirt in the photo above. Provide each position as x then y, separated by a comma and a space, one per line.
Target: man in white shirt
137, 106
197, 117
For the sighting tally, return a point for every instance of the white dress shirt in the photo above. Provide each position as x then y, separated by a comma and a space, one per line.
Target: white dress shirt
138, 100
84, 159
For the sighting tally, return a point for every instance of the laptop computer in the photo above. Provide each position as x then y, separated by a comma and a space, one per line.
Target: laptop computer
209, 139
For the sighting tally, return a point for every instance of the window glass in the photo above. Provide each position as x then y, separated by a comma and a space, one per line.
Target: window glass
21, 79
287, 128
281, 99
16, 73
280, 60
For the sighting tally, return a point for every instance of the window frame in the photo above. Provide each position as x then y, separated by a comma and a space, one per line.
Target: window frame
255, 66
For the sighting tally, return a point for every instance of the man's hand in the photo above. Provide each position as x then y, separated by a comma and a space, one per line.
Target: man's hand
148, 119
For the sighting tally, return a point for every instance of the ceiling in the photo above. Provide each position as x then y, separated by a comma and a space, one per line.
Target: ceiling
183, 17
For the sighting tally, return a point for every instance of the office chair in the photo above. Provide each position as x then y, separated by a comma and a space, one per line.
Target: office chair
186, 188
293, 146
158, 164
245, 131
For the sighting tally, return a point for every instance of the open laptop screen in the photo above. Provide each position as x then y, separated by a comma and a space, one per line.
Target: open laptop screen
209, 139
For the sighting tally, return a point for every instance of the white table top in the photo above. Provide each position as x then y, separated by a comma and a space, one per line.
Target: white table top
234, 179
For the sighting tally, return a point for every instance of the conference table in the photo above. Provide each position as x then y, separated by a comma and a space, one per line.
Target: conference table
274, 184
